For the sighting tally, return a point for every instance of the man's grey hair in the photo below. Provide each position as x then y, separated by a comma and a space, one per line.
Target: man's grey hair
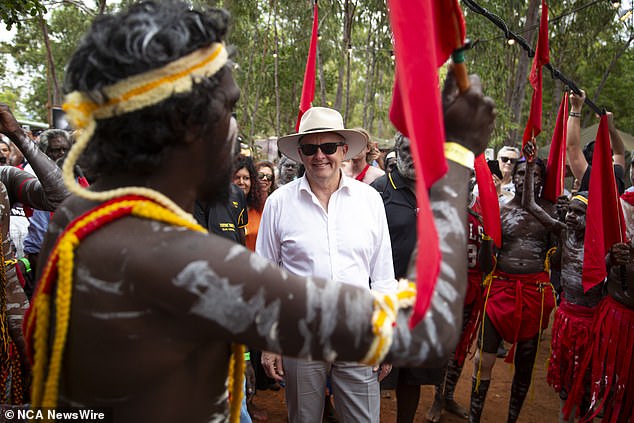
507, 148
47, 135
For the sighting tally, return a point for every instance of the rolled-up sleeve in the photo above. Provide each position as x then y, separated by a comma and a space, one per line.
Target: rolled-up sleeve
382, 267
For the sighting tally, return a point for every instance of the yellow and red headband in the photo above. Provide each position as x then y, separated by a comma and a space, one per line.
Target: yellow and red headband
146, 89
131, 94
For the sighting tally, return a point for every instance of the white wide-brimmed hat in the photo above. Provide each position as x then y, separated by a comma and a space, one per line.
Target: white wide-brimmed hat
322, 119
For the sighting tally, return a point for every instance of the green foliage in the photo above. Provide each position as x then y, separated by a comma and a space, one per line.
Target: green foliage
13, 11
588, 45
65, 27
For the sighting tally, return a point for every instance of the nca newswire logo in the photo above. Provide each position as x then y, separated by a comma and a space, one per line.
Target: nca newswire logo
83, 415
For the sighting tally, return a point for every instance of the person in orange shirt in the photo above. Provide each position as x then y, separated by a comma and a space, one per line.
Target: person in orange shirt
265, 175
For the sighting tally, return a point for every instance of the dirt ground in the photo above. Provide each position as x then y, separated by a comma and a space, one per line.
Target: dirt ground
541, 406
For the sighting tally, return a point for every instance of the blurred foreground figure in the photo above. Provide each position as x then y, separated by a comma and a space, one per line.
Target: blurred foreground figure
44, 192
137, 306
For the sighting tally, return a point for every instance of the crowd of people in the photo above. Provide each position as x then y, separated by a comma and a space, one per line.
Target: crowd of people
158, 286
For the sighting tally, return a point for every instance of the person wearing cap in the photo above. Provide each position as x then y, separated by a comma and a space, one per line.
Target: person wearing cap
580, 160
328, 225
390, 161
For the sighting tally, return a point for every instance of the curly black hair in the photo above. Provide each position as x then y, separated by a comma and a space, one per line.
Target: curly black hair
254, 196
147, 36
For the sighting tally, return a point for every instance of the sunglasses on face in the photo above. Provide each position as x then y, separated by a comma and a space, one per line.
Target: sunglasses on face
263, 176
508, 159
326, 148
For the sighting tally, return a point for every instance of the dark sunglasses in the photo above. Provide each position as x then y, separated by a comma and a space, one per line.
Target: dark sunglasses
508, 159
263, 176
326, 148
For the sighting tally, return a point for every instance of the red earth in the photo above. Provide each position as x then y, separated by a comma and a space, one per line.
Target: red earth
541, 406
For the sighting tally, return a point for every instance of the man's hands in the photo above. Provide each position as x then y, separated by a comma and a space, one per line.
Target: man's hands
272, 364
384, 370
620, 254
562, 207
9, 126
530, 151
576, 101
469, 116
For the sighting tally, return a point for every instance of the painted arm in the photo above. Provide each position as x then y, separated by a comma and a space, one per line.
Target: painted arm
469, 119
46, 191
618, 147
528, 195
577, 161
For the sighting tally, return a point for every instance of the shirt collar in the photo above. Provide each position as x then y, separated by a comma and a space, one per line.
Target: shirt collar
344, 183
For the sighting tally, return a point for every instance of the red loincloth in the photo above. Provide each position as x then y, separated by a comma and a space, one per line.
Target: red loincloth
517, 303
474, 299
610, 358
570, 337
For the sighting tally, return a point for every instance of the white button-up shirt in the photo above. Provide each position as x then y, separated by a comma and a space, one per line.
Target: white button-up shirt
348, 243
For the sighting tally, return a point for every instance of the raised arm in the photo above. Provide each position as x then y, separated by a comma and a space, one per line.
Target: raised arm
577, 161
528, 195
46, 191
469, 119
618, 147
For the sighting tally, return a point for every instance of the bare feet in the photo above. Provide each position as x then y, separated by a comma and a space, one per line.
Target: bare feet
454, 408
434, 413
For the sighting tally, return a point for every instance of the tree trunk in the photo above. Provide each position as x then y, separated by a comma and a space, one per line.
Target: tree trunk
322, 79
277, 84
101, 7
379, 127
350, 8
604, 79
370, 59
348, 12
51, 74
519, 86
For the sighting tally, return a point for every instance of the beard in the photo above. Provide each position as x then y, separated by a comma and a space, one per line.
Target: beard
406, 168
215, 188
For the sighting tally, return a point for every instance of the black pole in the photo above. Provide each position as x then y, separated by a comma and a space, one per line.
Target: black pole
510, 35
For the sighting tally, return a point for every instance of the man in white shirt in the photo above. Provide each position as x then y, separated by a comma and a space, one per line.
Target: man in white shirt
325, 224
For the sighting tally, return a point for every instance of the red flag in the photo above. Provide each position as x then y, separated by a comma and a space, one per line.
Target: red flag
534, 124
605, 225
488, 200
425, 34
556, 166
308, 89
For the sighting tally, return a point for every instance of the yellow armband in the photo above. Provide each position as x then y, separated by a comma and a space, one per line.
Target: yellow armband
459, 154
386, 307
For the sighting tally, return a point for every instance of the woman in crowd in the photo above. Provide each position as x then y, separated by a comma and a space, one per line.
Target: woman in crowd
265, 172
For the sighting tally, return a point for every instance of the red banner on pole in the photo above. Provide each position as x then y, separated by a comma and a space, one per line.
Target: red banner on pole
425, 35
556, 166
605, 225
534, 124
308, 88
489, 202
